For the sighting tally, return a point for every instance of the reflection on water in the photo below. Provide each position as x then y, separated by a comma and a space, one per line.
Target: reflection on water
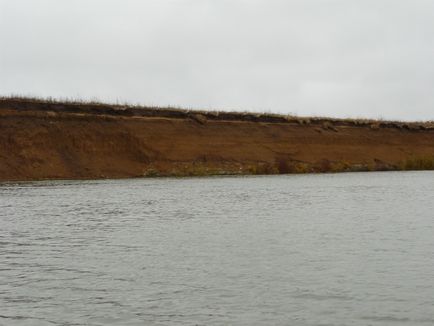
345, 249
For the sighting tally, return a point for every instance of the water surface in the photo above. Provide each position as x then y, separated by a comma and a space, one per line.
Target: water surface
333, 249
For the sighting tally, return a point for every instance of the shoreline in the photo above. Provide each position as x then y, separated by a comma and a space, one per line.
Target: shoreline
53, 140
210, 176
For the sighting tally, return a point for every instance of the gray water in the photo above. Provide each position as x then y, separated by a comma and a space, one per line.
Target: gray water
342, 249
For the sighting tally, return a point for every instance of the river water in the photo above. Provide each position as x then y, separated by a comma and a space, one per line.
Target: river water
331, 249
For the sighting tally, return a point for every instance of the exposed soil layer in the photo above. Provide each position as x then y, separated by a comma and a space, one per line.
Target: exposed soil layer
54, 140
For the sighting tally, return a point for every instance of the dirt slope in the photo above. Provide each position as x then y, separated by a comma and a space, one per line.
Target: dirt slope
50, 140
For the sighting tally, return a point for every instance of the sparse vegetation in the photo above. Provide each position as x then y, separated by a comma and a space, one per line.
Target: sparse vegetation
200, 116
418, 163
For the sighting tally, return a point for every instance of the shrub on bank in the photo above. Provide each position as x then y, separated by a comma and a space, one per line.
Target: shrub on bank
418, 163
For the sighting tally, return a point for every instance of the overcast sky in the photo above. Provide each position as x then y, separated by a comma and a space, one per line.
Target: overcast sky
345, 58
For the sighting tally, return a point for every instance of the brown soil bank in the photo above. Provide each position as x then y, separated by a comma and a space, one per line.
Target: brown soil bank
51, 140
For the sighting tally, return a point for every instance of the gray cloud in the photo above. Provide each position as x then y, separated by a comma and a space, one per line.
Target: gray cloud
346, 58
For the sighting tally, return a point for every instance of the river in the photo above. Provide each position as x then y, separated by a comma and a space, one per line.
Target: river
320, 249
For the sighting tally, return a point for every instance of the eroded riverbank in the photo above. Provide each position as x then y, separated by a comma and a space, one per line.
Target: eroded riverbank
54, 140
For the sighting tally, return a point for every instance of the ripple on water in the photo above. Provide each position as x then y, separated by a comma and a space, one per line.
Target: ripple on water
345, 249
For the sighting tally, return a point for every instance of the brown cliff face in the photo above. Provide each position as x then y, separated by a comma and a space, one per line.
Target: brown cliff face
52, 140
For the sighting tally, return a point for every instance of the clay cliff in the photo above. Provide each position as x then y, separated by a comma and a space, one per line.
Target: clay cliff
53, 140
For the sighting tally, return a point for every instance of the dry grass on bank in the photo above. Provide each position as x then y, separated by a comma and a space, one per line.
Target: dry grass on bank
201, 116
